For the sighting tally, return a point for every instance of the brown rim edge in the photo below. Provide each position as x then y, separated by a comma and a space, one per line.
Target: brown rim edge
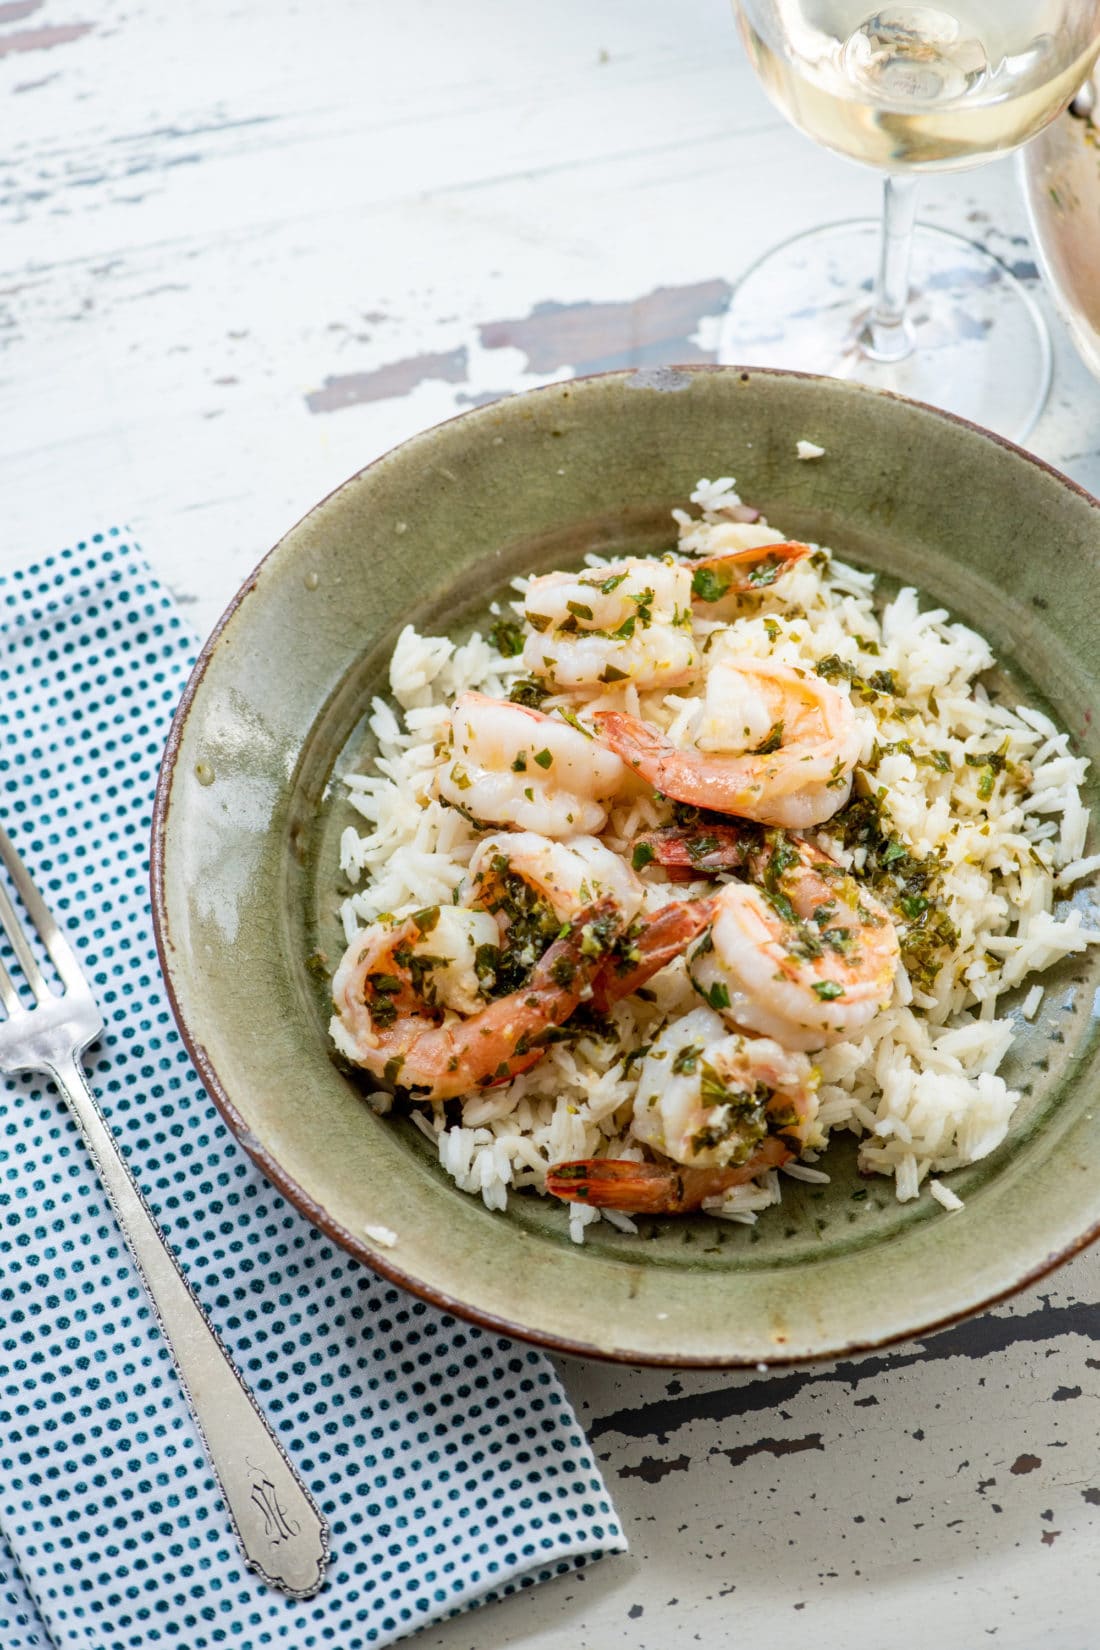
294, 1193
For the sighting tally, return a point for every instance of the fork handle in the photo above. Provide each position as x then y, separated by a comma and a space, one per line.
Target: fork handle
281, 1532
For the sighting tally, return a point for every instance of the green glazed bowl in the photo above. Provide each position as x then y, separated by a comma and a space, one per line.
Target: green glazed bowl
250, 809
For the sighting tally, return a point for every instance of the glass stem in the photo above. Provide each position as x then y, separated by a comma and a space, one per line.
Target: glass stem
887, 336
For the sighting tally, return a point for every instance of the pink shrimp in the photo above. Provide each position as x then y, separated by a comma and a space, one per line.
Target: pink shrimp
797, 774
743, 572
390, 1022
655, 941
656, 1188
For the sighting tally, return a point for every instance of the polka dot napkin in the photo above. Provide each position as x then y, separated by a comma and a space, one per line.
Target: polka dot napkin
447, 1460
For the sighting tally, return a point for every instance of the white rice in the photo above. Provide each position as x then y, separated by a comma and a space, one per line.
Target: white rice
920, 1087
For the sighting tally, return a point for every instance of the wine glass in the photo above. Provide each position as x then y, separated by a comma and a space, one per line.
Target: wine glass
909, 89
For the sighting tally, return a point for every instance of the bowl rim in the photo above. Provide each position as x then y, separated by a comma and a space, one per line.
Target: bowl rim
381, 1263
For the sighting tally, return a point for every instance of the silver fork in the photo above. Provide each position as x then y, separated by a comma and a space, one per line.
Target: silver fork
281, 1533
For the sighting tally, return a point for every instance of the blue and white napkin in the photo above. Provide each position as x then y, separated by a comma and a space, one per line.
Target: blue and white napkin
447, 1460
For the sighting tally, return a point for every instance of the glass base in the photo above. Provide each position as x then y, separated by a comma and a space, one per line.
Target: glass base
980, 346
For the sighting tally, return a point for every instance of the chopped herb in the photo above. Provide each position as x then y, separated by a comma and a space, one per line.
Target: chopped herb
626, 629
828, 990
391, 1071
686, 1059
383, 1010
766, 571
718, 996
772, 628
520, 763
635, 1057
611, 673
834, 669
427, 919
838, 940
991, 764
780, 903
772, 742
539, 621
643, 602
612, 583
543, 758
574, 721
597, 937
529, 793
507, 637
901, 879
488, 960
388, 983
579, 610
642, 855
707, 585
740, 1125
460, 777
528, 692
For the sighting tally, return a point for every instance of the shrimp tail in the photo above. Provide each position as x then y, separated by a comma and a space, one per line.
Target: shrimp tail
634, 1188
684, 775
665, 936
702, 852
744, 572
637, 742
656, 1188
512, 1033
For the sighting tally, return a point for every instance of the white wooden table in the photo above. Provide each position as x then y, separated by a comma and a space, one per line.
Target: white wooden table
246, 247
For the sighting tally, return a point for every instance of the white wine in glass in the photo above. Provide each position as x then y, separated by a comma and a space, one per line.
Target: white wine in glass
909, 89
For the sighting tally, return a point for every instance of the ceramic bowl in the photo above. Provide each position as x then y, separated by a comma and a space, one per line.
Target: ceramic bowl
250, 809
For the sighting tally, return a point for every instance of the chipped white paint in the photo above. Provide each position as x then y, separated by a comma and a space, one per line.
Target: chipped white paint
220, 229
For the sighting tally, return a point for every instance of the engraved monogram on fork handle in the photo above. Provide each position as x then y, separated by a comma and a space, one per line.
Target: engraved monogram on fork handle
281, 1532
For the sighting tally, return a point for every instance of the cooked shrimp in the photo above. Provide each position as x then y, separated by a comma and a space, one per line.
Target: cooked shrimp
808, 958
723, 1108
637, 1188
630, 622
515, 766
743, 572
648, 945
703, 850
706, 1097
775, 744
390, 1018
568, 876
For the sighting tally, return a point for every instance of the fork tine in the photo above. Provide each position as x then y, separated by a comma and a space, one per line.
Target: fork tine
57, 946
8, 994
13, 928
